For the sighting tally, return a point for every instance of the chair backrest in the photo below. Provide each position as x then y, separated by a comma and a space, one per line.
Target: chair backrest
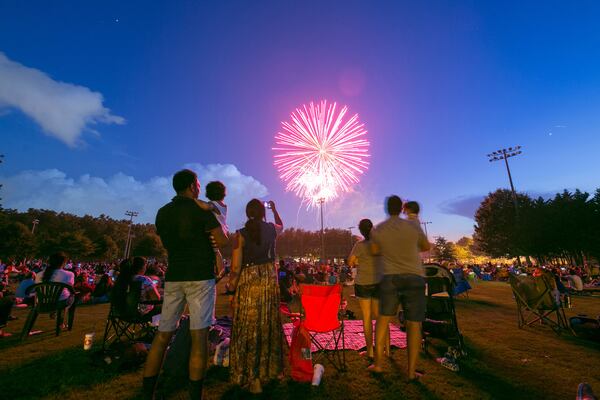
125, 305
321, 304
535, 292
47, 295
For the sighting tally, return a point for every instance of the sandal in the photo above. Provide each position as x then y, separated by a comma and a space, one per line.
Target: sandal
419, 373
449, 363
374, 369
364, 353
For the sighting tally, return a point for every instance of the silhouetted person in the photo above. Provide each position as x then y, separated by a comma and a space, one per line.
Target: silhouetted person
185, 229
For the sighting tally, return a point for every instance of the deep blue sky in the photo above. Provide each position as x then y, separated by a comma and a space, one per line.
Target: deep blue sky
209, 82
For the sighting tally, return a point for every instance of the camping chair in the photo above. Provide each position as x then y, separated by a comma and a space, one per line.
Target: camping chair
536, 302
124, 320
323, 313
47, 300
462, 285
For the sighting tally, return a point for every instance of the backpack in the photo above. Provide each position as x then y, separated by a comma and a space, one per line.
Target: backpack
300, 354
585, 327
176, 363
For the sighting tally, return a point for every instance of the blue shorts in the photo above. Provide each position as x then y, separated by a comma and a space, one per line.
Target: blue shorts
405, 289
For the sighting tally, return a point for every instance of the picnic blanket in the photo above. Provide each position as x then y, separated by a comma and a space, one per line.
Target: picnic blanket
354, 336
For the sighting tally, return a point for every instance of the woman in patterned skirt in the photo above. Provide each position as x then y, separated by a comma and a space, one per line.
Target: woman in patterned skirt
256, 339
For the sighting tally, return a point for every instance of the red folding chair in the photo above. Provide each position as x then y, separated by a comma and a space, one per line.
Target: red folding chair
324, 313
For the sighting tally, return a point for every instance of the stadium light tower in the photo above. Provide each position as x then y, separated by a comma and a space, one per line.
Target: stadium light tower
130, 214
351, 242
505, 154
425, 223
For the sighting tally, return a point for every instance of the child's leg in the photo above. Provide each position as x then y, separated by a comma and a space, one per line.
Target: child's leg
219, 269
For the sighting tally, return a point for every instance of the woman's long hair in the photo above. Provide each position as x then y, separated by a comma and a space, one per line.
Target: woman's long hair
365, 226
126, 274
255, 211
55, 261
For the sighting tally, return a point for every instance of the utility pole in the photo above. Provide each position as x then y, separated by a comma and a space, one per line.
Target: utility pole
505, 154
130, 214
34, 223
321, 201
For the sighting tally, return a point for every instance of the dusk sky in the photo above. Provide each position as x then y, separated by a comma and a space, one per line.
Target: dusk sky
100, 102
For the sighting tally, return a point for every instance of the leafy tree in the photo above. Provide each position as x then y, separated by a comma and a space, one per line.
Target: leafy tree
496, 230
16, 241
149, 245
105, 248
75, 244
443, 250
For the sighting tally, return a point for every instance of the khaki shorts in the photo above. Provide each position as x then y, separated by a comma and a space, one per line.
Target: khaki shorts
200, 297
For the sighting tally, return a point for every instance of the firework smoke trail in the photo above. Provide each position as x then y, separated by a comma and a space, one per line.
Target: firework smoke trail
320, 153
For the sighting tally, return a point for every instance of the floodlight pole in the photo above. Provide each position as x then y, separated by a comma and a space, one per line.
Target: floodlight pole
34, 223
350, 230
505, 154
321, 202
425, 228
512, 186
130, 214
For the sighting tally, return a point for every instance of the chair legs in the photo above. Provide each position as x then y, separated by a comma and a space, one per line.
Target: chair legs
60, 317
71, 317
338, 357
117, 329
543, 317
29, 323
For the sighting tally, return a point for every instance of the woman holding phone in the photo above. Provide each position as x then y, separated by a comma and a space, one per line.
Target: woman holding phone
256, 338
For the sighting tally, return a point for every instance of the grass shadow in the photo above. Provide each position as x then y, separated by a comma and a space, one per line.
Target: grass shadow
479, 302
54, 374
491, 381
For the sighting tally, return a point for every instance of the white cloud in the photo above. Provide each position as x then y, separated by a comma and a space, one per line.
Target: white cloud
53, 189
63, 110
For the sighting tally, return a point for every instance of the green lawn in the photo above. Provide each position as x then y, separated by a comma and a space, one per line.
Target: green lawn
503, 362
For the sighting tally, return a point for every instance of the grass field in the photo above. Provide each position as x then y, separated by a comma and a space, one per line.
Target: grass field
504, 362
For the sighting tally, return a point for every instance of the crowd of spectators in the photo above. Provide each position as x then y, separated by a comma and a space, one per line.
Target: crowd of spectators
93, 282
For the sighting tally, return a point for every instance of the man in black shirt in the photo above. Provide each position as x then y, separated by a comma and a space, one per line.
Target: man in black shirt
185, 229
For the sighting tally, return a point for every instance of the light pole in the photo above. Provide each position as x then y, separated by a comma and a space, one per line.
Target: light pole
505, 154
130, 214
321, 201
350, 230
34, 223
425, 223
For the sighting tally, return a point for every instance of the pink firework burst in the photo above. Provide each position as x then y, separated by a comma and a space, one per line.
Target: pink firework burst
321, 153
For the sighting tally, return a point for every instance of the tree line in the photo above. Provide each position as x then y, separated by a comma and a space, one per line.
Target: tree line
82, 238
104, 238
562, 229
